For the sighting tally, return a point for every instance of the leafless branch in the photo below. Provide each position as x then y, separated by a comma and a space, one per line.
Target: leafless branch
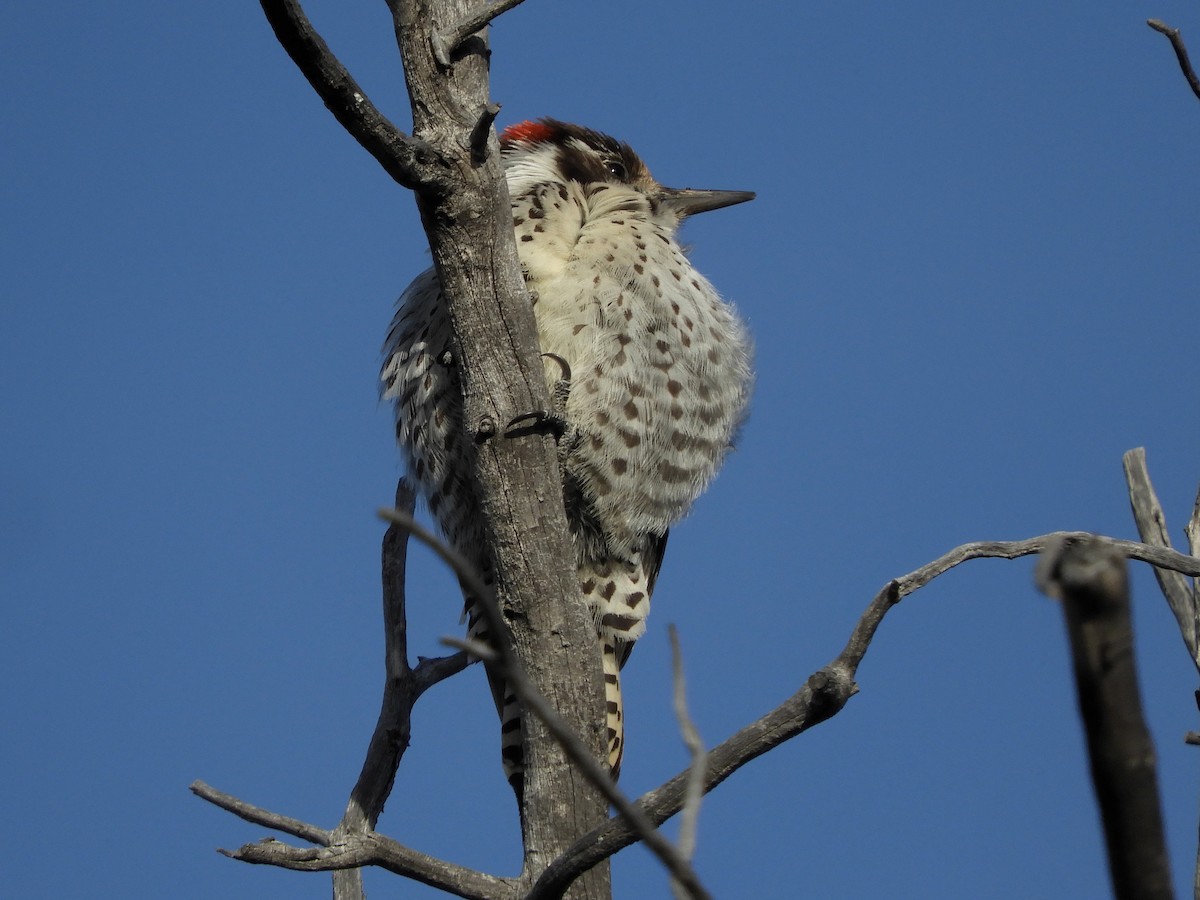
352, 850
401, 689
1184, 600
823, 696
353, 840
695, 746
410, 161
445, 41
258, 816
1181, 54
1152, 526
1090, 578
510, 669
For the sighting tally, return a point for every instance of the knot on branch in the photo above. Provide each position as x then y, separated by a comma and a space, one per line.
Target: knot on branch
831, 688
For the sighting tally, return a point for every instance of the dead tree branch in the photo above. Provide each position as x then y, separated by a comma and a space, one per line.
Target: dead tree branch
350, 851
689, 820
446, 40
1152, 526
353, 844
1184, 600
823, 696
1090, 579
411, 162
402, 688
1181, 54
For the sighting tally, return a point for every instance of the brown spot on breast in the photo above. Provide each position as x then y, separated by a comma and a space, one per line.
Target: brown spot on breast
672, 474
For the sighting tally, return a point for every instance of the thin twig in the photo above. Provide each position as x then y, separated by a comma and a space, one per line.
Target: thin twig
259, 816
1090, 579
1181, 54
446, 40
393, 727
824, 695
695, 746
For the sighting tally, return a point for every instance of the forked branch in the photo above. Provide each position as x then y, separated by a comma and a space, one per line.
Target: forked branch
411, 162
445, 41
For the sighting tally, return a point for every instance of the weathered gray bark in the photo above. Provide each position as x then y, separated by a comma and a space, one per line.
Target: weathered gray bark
469, 224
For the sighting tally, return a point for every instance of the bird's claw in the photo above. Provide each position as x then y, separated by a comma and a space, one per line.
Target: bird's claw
538, 421
554, 420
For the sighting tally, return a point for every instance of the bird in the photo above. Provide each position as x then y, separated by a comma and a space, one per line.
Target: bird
650, 370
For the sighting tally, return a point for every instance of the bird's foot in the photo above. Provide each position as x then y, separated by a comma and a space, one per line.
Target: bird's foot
553, 420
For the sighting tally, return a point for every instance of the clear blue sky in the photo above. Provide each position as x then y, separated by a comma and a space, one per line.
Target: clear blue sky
972, 275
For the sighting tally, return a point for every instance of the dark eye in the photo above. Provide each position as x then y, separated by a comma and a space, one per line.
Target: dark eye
616, 169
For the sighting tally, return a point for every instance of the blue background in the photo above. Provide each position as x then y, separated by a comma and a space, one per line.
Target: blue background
971, 273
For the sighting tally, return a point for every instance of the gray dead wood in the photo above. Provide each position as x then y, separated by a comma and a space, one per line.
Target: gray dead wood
1090, 579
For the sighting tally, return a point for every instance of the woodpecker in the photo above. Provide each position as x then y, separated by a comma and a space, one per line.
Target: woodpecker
650, 368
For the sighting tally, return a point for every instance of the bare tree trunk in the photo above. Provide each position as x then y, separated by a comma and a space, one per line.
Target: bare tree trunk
474, 250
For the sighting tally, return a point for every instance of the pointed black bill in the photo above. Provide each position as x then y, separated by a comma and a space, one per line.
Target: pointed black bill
687, 201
